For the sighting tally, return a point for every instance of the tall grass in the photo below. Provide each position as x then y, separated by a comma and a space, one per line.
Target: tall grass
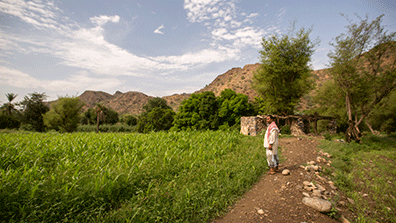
367, 168
119, 177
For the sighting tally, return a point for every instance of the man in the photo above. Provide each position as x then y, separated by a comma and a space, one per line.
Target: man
271, 141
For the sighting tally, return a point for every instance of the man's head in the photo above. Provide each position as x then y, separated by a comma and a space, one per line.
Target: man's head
270, 119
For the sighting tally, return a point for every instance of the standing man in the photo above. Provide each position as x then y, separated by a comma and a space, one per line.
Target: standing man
271, 142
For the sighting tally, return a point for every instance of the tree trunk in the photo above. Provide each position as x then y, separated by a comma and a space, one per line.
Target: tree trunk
348, 106
97, 122
371, 128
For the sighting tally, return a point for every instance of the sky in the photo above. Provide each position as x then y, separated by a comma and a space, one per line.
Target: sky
157, 47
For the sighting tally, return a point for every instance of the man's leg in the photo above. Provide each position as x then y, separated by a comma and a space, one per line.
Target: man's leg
270, 161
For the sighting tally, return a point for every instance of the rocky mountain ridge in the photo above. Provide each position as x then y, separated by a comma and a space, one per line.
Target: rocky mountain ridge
237, 79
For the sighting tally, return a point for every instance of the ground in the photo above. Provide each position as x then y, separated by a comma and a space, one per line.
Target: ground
278, 198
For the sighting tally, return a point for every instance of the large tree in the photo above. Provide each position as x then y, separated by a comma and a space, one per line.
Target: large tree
284, 75
33, 109
198, 112
157, 116
232, 107
363, 66
64, 114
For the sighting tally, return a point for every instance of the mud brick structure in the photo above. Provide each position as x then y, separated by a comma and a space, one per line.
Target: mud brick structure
252, 125
299, 124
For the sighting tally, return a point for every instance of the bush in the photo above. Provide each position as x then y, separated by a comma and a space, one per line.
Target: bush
9, 122
286, 130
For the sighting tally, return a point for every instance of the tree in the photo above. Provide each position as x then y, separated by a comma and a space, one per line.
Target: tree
364, 77
130, 120
232, 107
284, 75
33, 109
157, 116
9, 106
64, 115
100, 115
9, 116
88, 117
198, 112
156, 120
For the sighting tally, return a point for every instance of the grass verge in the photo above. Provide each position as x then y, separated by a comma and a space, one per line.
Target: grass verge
366, 173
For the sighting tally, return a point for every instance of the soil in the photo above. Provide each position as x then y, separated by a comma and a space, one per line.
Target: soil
278, 197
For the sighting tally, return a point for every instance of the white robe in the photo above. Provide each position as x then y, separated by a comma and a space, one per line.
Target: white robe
273, 140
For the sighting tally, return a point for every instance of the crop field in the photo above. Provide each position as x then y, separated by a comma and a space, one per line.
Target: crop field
120, 177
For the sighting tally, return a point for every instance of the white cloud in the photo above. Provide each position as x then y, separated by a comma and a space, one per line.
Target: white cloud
158, 30
103, 19
76, 82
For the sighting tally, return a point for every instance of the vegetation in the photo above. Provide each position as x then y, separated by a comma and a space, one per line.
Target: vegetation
204, 111
366, 168
33, 109
362, 71
157, 116
116, 177
64, 114
284, 75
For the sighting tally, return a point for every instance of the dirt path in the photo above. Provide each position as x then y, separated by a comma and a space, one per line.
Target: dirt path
280, 197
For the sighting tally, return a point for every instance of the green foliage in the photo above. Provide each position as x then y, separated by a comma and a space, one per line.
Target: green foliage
155, 103
88, 177
232, 107
286, 130
383, 116
33, 109
157, 116
106, 128
64, 115
198, 112
9, 121
130, 120
367, 168
156, 119
362, 66
284, 75
108, 116
88, 117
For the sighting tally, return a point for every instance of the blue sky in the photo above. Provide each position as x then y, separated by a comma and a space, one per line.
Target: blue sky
156, 47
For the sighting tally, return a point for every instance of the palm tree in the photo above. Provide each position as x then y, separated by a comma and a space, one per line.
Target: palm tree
9, 105
100, 115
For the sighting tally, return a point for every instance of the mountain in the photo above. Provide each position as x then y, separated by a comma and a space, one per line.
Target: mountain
237, 79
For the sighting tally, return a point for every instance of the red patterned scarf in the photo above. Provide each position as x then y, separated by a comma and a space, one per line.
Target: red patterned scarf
270, 128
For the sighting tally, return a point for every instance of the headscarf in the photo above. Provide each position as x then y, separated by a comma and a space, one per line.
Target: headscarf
271, 127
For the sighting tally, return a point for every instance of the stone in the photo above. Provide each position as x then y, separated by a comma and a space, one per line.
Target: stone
308, 188
320, 187
302, 167
306, 183
286, 172
351, 201
306, 194
317, 204
260, 211
316, 193
316, 168
343, 219
341, 203
365, 195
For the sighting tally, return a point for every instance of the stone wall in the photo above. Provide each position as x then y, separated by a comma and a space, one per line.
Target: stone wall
252, 125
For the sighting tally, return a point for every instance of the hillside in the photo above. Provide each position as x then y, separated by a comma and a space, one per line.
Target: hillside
237, 79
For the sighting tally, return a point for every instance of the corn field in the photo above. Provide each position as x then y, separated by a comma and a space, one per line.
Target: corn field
120, 177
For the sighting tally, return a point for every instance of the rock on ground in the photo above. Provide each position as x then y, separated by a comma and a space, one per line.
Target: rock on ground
317, 204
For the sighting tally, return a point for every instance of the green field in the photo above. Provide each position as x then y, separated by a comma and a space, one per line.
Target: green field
119, 177
366, 173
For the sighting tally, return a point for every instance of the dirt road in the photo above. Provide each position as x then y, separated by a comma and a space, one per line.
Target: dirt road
278, 198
